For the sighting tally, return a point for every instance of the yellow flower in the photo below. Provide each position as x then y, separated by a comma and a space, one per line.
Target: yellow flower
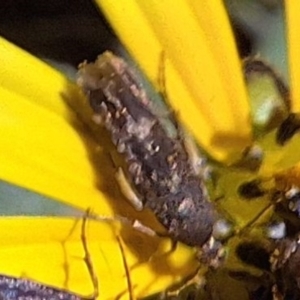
46, 149
199, 49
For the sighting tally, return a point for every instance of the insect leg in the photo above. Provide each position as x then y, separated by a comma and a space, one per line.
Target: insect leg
87, 259
126, 267
127, 190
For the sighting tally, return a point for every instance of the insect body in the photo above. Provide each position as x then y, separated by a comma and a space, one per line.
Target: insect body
12, 288
158, 165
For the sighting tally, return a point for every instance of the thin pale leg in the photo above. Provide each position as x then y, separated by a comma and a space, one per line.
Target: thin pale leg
197, 161
162, 84
197, 279
139, 226
87, 259
127, 190
126, 267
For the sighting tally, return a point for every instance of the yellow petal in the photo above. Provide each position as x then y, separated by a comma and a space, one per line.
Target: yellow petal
50, 251
30, 244
203, 77
42, 135
42, 152
293, 24
28, 76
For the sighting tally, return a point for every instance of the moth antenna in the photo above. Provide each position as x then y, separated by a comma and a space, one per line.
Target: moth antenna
162, 86
162, 74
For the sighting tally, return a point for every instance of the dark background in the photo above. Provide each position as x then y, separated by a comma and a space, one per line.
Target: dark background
62, 30
69, 31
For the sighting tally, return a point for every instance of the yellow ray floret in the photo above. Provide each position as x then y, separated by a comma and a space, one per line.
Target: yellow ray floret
50, 251
44, 147
202, 72
293, 25
28, 76
44, 153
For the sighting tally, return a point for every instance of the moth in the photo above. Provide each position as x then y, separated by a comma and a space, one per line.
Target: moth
160, 174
